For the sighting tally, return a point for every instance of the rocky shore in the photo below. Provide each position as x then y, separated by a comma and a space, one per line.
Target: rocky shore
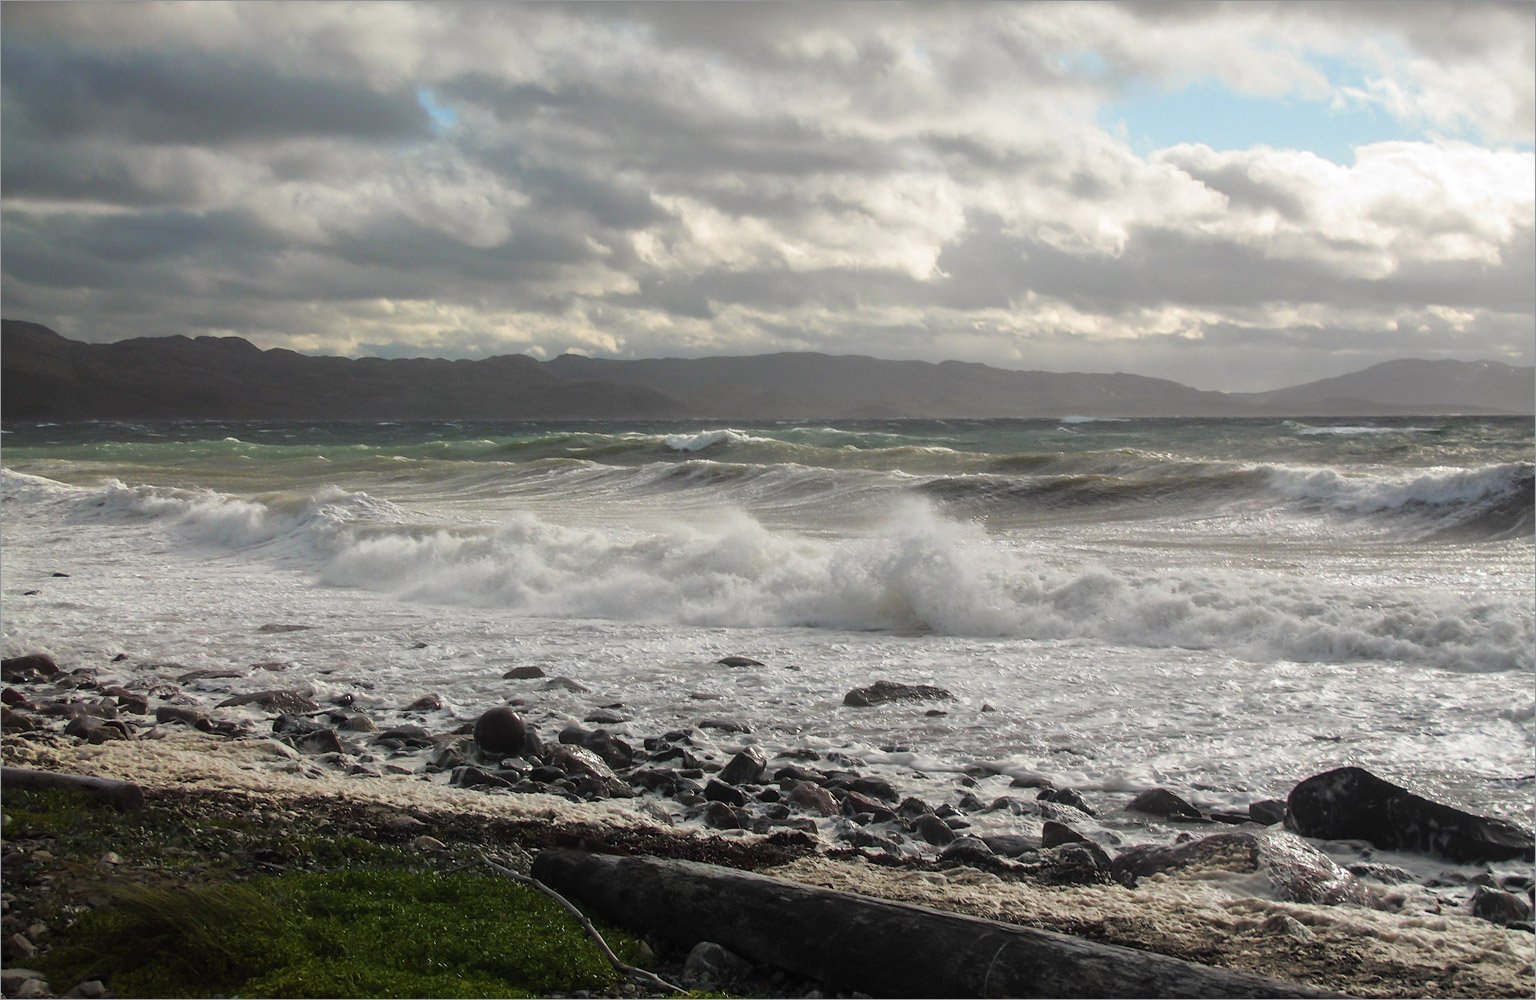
1251, 892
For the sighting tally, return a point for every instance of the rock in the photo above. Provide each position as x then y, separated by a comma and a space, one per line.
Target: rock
1285, 925
17, 946
581, 761
1071, 864
26, 669
615, 752
207, 674
564, 684
359, 724
15, 699
1162, 802
967, 851
426, 843
725, 725
1499, 907
405, 737
276, 628
719, 791
96, 730
857, 803
31, 988
523, 674
1390, 874
1066, 797
500, 732
1297, 871
286, 702
881, 692
711, 966
739, 661
812, 798
186, 716
129, 701
934, 830
720, 816
747, 766
473, 777
16, 722
272, 666
1010, 845
877, 788
1267, 812
318, 742
1054, 834
1351, 803
911, 808
426, 703
606, 717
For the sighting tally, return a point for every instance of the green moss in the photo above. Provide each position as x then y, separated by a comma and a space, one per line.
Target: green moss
354, 933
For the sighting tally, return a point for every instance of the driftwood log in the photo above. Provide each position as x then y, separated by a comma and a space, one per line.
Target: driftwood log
853, 942
120, 795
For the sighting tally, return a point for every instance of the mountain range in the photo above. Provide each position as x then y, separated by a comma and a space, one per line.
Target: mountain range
44, 376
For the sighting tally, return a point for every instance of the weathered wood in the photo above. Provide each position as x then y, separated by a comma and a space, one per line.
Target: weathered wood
882, 948
121, 795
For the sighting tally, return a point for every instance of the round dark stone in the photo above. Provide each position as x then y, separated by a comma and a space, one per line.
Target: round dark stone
501, 731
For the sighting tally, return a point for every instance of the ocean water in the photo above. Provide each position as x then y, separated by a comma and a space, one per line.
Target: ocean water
1221, 607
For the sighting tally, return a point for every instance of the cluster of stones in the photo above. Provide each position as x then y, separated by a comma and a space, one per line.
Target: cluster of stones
800, 792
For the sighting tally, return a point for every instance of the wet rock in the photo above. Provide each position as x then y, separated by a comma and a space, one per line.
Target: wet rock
426, 703
278, 628
1267, 812
96, 730
128, 701
719, 791
208, 674
1009, 803
500, 731
1066, 797
606, 717
614, 751
358, 724
272, 666
794, 772
320, 742
1010, 845
1351, 803
186, 716
1071, 864
523, 674
1162, 802
739, 661
470, 776
1374, 872
581, 761
725, 725
15, 699
911, 808
1499, 907
934, 830
812, 798
1054, 834
877, 788
1297, 871
881, 692
405, 738
17, 946
967, 851
286, 702
1031, 781
746, 766
857, 803
27, 669
860, 837
17, 722
721, 816
565, 684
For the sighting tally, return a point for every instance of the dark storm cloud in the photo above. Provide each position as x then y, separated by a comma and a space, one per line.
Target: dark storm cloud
188, 96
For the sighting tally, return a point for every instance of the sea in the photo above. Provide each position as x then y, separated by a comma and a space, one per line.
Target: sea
1218, 607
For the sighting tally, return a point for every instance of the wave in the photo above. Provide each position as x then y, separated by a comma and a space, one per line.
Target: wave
1496, 499
922, 572
1354, 430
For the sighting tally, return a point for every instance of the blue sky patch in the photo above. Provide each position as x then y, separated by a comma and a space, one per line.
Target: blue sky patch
443, 117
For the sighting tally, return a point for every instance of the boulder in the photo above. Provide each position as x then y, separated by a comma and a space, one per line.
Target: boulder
1297, 871
1162, 802
967, 851
186, 716
876, 788
720, 816
285, 702
25, 669
881, 692
565, 684
812, 798
1066, 797
739, 661
725, 725
1267, 812
1070, 864
1010, 845
523, 673
1054, 834
500, 732
426, 703
581, 761
1351, 803
719, 791
934, 830
746, 766
1499, 907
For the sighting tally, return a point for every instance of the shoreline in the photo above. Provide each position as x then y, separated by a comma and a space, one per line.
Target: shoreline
1209, 914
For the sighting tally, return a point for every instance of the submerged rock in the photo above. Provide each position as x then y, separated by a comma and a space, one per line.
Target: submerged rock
881, 692
523, 673
1499, 907
24, 669
285, 702
1162, 802
1351, 803
739, 661
1297, 871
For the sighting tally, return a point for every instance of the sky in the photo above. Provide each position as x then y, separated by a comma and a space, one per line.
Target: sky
1235, 196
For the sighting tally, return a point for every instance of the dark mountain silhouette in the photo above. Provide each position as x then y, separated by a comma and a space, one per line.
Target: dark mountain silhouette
44, 376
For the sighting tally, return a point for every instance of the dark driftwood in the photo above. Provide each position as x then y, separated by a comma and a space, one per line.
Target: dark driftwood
881, 948
121, 795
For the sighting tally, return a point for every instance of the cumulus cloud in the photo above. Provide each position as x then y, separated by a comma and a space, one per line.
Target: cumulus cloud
901, 180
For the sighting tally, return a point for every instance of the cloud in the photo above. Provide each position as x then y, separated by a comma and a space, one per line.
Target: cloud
900, 180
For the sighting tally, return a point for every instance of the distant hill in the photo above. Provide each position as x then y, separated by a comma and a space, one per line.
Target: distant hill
44, 376
1412, 386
